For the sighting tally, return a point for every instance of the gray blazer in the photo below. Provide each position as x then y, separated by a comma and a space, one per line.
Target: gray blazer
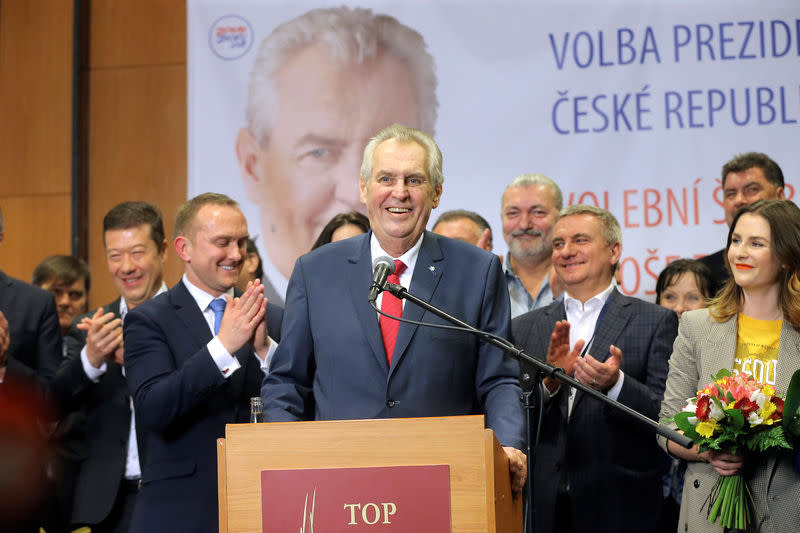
702, 348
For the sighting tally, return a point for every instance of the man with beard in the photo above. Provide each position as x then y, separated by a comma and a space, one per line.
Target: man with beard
528, 211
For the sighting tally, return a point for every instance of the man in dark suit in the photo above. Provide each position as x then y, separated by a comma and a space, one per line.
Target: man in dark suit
68, 279
30, 329
101, 432
194, 357
595, 470
31, 326
336, 361
30, 353
745, 179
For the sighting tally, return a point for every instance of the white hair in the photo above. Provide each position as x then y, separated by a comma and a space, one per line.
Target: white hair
612, 233
404, 134
531, 180
353, 36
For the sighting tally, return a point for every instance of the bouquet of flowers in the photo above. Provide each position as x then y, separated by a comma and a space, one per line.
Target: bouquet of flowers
735, 414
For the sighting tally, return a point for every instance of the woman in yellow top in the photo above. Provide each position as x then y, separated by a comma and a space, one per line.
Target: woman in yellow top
751, 326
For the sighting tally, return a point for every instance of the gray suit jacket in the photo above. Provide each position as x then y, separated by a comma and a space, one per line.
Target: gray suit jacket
702, 348
611, 465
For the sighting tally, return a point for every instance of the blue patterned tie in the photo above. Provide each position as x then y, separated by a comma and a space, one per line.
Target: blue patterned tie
218, 306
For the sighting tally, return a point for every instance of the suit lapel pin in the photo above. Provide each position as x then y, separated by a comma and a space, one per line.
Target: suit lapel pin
432, 268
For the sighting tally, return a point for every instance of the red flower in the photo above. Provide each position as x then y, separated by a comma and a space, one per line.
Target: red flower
703, 407
778, 404
778, 408
746, 406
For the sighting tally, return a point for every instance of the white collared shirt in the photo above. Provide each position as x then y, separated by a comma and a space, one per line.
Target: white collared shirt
409, 259
582, 318
227, 363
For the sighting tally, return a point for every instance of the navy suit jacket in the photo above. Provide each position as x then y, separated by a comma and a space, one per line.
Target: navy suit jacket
97, 427
612, 466
331, 362
719, 272
34, 351
182, 403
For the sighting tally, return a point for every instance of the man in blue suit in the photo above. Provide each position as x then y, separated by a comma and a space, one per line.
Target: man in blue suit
337, 361
594, 469
194, 356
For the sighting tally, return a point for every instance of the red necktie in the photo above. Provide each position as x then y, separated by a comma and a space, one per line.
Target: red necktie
392, 305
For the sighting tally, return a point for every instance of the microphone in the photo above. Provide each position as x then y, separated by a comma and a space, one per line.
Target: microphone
382, 267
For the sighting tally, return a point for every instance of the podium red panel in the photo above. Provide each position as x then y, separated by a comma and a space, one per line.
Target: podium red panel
393, 498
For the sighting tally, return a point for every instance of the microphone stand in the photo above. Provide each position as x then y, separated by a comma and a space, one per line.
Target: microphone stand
542, 370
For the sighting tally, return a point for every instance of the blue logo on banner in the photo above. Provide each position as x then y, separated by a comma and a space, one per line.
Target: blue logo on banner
230, 37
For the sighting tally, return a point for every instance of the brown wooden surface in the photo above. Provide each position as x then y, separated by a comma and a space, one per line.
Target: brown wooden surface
456, 441
499, 494
125, 33
222, 485
137, 151
36, 227
134, 130
35, 131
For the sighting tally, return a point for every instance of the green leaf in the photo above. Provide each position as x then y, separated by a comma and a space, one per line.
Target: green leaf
736, 418
723, 373
682, 421
724, 442
791, 406
771, 438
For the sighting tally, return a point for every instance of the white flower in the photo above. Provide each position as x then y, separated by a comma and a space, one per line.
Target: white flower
759, 397
715, 411
755, 418
691, 407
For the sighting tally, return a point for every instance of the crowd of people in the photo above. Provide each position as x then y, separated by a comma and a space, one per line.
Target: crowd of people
139, 389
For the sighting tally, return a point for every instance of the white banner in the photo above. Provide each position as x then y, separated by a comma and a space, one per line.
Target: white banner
633, 106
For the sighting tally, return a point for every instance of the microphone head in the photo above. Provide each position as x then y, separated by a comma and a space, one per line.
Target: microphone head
384, 260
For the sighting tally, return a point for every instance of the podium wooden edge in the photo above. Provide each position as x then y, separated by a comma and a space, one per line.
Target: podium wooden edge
222, 486
504, 511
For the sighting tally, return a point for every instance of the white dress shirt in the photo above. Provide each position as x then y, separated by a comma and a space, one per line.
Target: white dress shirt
409, 259
227, 363
582, 318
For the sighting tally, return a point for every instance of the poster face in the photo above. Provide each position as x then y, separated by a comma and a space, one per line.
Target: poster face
631, 106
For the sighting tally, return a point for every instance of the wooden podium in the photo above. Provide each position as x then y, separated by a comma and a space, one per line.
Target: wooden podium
480, 491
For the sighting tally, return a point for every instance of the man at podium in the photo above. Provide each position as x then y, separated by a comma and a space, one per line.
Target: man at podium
338, 360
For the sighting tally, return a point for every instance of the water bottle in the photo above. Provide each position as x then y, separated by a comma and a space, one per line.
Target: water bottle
256, 410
